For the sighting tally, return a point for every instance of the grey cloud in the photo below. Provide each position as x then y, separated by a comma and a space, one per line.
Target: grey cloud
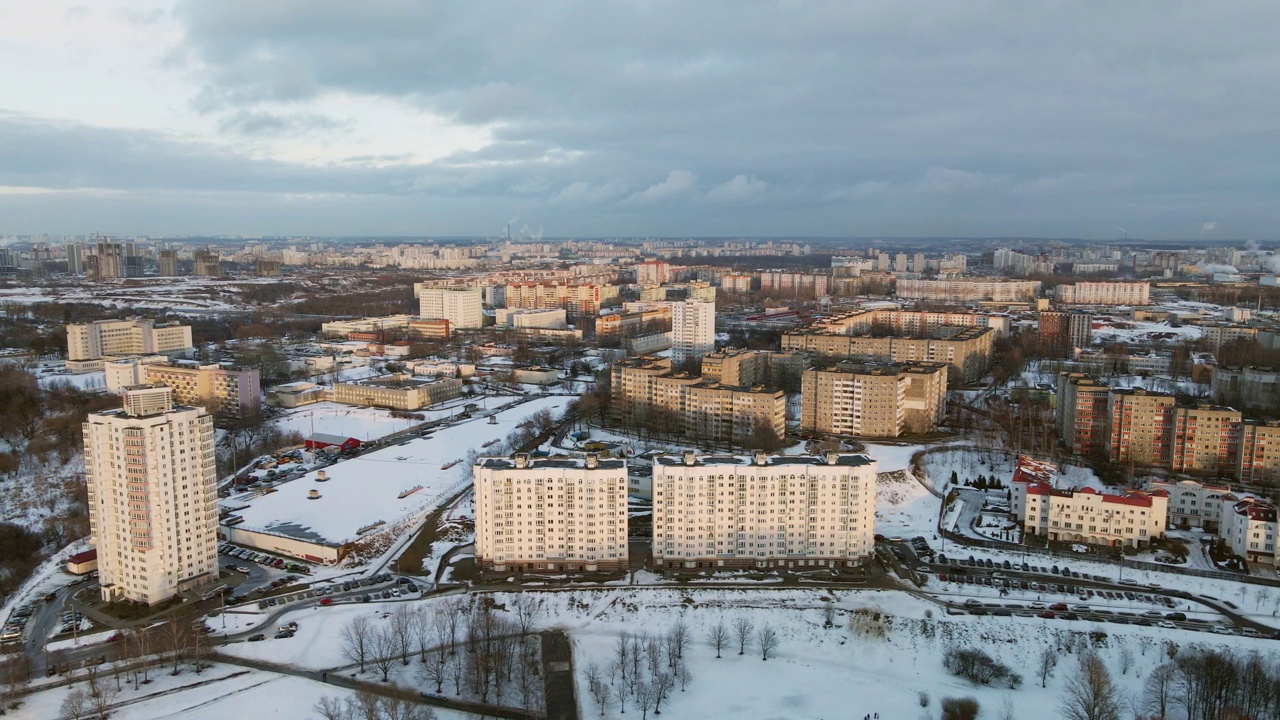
935, 117
248, 122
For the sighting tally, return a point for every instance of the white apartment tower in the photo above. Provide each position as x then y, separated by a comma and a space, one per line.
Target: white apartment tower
693, 330
153, 505
763, 510
544, 514
101, 338
460, 306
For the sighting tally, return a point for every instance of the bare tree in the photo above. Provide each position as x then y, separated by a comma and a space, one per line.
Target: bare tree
435, 668
1090, 693
742, 628
173, 640
1048, 660
600, 693
527, 608
1126, 660
1006, 709
1157, 691
329, 708
426, 622
622, 646
402, 622
662, 684
356, 637
621, 692
383, 645
768, 641
644, 698
684, 676
718, 637
75, 706
678, 640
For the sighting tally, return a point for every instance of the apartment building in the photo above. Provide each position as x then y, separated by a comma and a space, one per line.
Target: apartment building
234, 391
763, 511
167, 263
577, 299
1249, 529
207, 263
1063, 332
153, 505
1215, 335
89, 344
1259, 459
693, 330
1105, 293
1250, 387
966, 350
461, 306
746, 368
636, 319
969, 290
910, 323
1206, 439
549, 318
550, 514
739, 283
653, 272
397, 391
1082, 419
1140, 427
107, 261
1133, 517
1193, 504
874, 400
698, 290
793, 284
645, 392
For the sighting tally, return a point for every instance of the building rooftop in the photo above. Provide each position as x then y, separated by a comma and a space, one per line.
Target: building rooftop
556, 462
690, 459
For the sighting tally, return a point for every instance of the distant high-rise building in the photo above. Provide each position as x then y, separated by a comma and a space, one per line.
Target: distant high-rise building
462, 307
108, 260
267, 267
167, 263
208, 263
153, 504
693, 331
75, 258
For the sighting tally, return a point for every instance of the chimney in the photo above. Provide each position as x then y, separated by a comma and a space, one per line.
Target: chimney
833, 458
689, 458
593, 461
522, 460
761, 458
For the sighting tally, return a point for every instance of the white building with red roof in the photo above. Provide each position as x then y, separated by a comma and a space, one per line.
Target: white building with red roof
1131, 517
1249, 528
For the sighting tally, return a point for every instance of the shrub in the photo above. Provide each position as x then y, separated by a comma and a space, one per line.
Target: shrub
959, 709
978, 667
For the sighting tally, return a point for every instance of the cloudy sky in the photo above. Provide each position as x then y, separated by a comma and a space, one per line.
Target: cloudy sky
1157, 118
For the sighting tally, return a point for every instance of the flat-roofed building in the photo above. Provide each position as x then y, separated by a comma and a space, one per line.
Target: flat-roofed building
551, 514
233, 391
966, 350
1082, 413
153, 507
763, 511
874, 400
1141, 424
553, 318
1132, 517
969, 290
88, 344
397, 391
1259, 452
1206, 440
1105, 293
461, 306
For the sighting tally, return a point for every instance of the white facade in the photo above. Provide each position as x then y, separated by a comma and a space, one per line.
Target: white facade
1105, 293
553, 318
551, 514
105, 338
693, 330
153, 505
462, 307
763, 511
1090, 517
130, 371
1193, 504
1249, 529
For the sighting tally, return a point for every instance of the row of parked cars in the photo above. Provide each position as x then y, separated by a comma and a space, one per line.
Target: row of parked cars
17, 622
262, 558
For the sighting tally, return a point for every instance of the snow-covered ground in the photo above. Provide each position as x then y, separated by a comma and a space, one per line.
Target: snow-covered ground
364, 490
218, 693
363, 424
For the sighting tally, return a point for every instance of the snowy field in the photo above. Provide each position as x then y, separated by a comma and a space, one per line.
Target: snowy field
363, 424
363, 490
967, 464
860, 665
1142, 332
220, 692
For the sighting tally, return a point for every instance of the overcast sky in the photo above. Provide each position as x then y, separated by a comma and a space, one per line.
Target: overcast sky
850, 118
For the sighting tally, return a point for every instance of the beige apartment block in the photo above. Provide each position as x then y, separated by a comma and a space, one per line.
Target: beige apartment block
873, 400
397, 391
551, 514
1206, 440
116, 338
969, 290
763, 511
153, 505
745, 368
1105, 293
966, 350
576, 299
234, 391
1259, 452
1141, 422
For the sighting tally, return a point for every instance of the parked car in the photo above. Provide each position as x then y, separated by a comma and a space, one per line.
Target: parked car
258, 637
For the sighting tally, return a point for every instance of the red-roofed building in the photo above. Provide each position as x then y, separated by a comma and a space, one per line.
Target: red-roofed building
1087, 516
83, 563
1249, 528
1193, 504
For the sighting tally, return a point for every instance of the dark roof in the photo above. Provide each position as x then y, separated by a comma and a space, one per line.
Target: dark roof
845, 459
498, 463
84, 557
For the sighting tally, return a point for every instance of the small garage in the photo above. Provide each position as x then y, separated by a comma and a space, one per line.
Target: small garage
319, 441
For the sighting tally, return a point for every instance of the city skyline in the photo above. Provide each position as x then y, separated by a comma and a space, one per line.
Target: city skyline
577, 120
